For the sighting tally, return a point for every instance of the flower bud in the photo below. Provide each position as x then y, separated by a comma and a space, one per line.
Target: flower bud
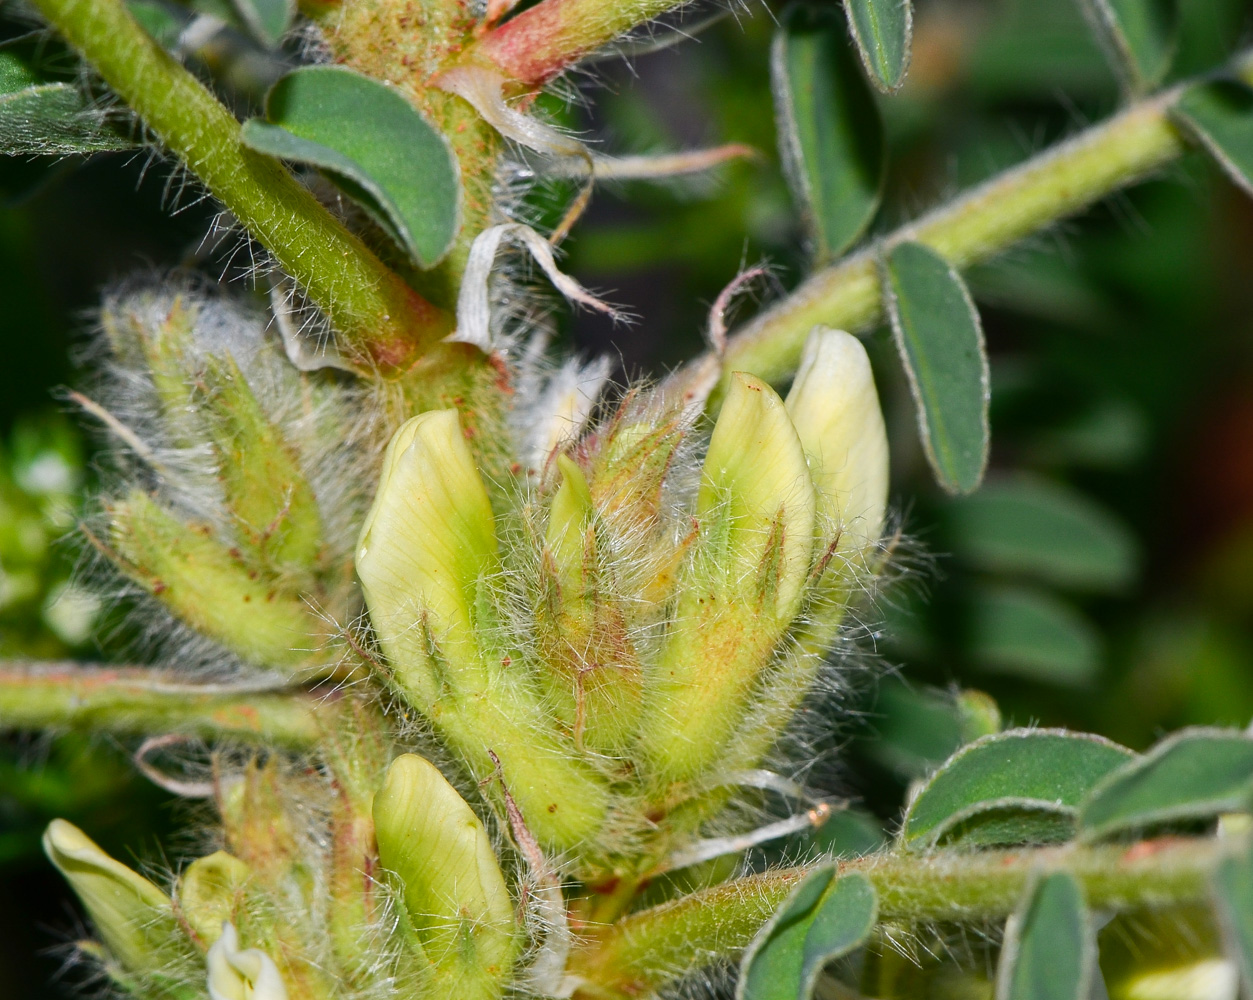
569, 518
276, 514
204, 584
583, 635
241, 974
426, 540
756, 502
209, 892
132, 915
452, 887
742, 587
835, 407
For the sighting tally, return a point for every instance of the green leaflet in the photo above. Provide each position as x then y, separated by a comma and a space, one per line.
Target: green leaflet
1219, 114
824, 918
1050, 949
940, 341
1193, 775
1026, 632
41, 114
374, 144
831, 140
1045, 530
1020, 786
882, 30
266, 20
1140, 35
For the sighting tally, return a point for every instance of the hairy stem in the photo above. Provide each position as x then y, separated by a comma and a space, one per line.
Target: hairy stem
659, 944
541, 42
383, 321
137, 701
975, 227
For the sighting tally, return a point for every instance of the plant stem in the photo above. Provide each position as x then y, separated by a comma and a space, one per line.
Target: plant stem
384, 322
667, 941
137, 701
975, 227
540, 42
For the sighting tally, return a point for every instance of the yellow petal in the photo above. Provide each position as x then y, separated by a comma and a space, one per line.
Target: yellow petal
835, 408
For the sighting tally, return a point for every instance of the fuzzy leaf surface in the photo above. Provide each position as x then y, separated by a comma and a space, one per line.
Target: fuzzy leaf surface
1049, 951
1045, 530
940, 340
40, 114
1020, 786
1219, 114
1141, 36
831, 139
374, 145
882, 30
1192, 776
825, 918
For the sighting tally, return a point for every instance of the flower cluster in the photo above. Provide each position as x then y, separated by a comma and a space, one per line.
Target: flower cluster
598, 648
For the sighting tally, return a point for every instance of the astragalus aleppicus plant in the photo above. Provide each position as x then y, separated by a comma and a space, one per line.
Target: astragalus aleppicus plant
498, 675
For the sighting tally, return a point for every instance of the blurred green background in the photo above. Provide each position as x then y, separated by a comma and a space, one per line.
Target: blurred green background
1102, 579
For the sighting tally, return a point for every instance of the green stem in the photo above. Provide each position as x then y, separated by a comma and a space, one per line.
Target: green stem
975, 227
136, 701
383, 321
657, 945
541, 42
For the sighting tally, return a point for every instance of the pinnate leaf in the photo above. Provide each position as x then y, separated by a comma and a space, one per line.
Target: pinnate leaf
940, 340
1219, 113
882, 30
371, 142
824, 918
830, 136
1019, 786
1050, 949
1192, 776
